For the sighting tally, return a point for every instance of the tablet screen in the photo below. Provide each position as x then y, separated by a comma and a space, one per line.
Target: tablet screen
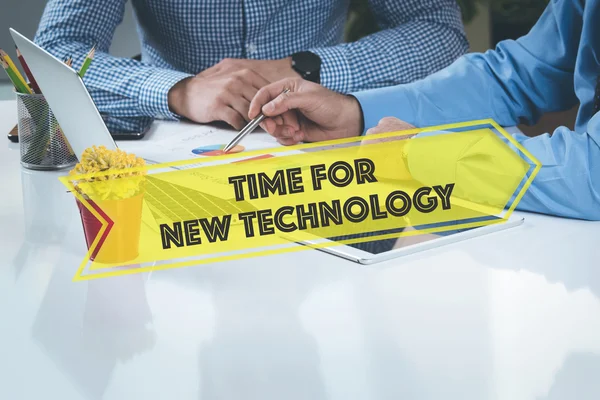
379, 246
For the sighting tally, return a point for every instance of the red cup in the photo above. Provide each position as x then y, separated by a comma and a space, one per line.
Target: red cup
121, 242
91, 226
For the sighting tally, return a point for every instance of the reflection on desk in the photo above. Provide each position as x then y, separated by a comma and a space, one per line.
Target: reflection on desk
86, 340
513, 315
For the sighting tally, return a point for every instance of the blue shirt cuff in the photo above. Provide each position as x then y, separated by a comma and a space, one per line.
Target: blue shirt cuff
385, 102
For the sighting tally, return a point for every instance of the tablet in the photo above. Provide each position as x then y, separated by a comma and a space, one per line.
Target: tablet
374, 251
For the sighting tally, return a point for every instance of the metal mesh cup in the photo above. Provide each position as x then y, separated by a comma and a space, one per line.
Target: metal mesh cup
42, 142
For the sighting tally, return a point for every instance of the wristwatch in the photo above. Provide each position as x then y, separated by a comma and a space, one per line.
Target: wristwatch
308, 65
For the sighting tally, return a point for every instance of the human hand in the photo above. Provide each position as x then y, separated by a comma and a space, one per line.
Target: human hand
216, 97
271, 70
309, 112
390, 124
391, 168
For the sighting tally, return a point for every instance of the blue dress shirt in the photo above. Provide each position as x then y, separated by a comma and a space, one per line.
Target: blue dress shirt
181, 38
552, 68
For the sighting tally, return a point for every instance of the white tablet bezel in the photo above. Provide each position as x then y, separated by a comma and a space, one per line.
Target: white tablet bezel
353, 254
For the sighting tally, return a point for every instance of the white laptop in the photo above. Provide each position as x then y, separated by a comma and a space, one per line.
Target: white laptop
70, 100
68, 97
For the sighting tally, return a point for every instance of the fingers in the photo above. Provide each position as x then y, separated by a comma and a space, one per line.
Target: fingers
253, 79
289, 118
390, 124
248, 91
287, 135
288, 141
245, 83
237, 92
284, 134
239, 104
242, 89
269, 125
232, 117
224, 67
237, 69
270, 92
212, 96
374, 130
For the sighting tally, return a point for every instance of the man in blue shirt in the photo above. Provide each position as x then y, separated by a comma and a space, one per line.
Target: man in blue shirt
205, 60
552, 68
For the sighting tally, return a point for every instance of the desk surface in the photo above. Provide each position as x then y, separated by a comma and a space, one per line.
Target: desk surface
514, 315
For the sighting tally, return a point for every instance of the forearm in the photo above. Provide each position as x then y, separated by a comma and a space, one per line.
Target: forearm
491, 86
517, 82
120, 87
568, 183
409, 48
505, 85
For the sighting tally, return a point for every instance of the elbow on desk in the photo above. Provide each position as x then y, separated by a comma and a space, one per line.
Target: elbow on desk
566, 201
586, 206
591, 205
588, 210
592, 213
584, 214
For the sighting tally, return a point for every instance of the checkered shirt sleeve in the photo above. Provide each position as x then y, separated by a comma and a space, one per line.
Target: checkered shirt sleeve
418, 37
180, 38
131, 92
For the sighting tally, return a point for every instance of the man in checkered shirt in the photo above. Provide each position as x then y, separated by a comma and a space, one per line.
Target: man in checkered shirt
205, 60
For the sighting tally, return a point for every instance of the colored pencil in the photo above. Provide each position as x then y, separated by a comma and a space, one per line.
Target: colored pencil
18, 84
87, 61
4, 66
15, 72
27, 71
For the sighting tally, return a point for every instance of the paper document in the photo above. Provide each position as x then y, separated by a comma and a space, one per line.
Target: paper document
185, 141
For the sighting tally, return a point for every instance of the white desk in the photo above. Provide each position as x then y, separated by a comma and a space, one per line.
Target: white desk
510, 316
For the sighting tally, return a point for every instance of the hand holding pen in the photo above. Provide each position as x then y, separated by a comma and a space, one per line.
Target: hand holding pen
307, 113
252, 125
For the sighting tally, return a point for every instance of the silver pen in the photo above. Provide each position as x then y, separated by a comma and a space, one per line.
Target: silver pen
250, 127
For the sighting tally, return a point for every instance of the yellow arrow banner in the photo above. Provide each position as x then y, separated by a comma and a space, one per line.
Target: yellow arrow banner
263, 202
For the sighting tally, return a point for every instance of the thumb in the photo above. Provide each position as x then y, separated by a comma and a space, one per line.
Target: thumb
270, 92
289, 101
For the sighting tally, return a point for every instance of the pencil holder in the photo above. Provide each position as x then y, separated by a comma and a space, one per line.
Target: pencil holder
42, 142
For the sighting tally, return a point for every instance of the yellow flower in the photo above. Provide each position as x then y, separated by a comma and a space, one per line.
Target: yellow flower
119, 183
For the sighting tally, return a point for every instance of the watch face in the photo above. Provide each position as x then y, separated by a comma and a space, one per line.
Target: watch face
307, 64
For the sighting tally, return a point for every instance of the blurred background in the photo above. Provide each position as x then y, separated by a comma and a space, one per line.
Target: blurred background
487, 22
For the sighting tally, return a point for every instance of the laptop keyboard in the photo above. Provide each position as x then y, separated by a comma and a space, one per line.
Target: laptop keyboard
173, 202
